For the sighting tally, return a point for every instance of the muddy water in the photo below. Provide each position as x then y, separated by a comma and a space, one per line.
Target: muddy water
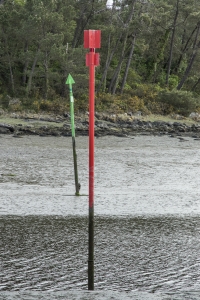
146, 226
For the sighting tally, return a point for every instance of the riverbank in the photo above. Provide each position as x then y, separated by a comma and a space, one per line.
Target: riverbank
19, 124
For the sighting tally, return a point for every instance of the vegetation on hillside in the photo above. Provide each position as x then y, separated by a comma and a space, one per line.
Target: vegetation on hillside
149, 54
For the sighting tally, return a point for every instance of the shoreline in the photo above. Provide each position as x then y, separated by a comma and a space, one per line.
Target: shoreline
121, 125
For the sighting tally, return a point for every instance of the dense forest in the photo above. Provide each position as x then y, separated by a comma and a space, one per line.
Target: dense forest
149, 56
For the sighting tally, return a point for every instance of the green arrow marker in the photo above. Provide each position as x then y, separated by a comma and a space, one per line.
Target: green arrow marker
70, 81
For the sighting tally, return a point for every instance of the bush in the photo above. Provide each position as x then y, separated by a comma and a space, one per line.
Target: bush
4, 101
159, 108
182, 102
120, 103
57, 106
81, 103
104, 101
147, 92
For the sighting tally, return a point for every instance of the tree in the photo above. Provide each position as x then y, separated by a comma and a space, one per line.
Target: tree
10, 19
172, 42
196, 46
126, 26
45, 44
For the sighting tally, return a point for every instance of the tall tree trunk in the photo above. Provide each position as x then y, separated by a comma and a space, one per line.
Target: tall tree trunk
24, 78
161, 48
195, 85
81, 24
128, 64
46, 68
11, 74
196, 46
102, 83
187, 44
9, 63
29, 84
108, 61
115, 78
172, 43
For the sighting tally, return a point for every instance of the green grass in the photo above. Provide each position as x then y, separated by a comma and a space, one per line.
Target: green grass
161, 118
5, 119
36, 123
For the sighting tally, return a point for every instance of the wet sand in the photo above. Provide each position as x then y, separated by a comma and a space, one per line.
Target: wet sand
142, 176
146, 218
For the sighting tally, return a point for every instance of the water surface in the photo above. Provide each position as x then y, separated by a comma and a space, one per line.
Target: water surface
146, 218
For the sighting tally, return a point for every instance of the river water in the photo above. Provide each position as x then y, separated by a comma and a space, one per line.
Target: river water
147, 218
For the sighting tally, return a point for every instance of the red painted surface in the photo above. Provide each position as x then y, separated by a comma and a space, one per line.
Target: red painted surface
92, 40
91, 127
92, 59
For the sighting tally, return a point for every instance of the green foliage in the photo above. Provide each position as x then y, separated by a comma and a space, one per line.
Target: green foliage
57, 106
147, 92
42, 42
120, 104
173, 81
133, 79
181, 102
4, 101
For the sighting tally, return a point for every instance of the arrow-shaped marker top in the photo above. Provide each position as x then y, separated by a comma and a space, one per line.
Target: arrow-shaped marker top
70, 80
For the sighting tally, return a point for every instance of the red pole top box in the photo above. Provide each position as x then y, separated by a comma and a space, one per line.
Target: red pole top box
92, 38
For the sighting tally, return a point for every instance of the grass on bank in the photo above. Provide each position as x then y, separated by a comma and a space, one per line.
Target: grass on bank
9, 119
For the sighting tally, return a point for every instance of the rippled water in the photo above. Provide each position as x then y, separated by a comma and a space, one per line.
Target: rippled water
147, 218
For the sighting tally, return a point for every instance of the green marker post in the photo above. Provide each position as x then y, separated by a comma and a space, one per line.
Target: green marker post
70, 81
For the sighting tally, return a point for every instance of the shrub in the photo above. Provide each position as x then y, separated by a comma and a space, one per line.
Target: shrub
4, 101
173, 81
81, 103
45, 105
147, 92
182, 102
57, 106
120, 103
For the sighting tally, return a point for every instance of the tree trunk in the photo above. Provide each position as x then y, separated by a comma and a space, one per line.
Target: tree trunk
185, 48
102, 83
11, 75
82, 24
115, 78
9, 63
195, 85
46, 68
172, 43
29, 84
196, 46
128, 64
24, 78
108, 61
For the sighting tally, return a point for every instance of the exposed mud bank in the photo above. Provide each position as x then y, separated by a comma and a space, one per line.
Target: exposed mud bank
116, 125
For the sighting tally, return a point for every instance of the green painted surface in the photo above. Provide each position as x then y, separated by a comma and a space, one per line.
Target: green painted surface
70, 81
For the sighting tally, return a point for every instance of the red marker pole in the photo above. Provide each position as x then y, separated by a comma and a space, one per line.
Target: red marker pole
91, 126
91, 41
